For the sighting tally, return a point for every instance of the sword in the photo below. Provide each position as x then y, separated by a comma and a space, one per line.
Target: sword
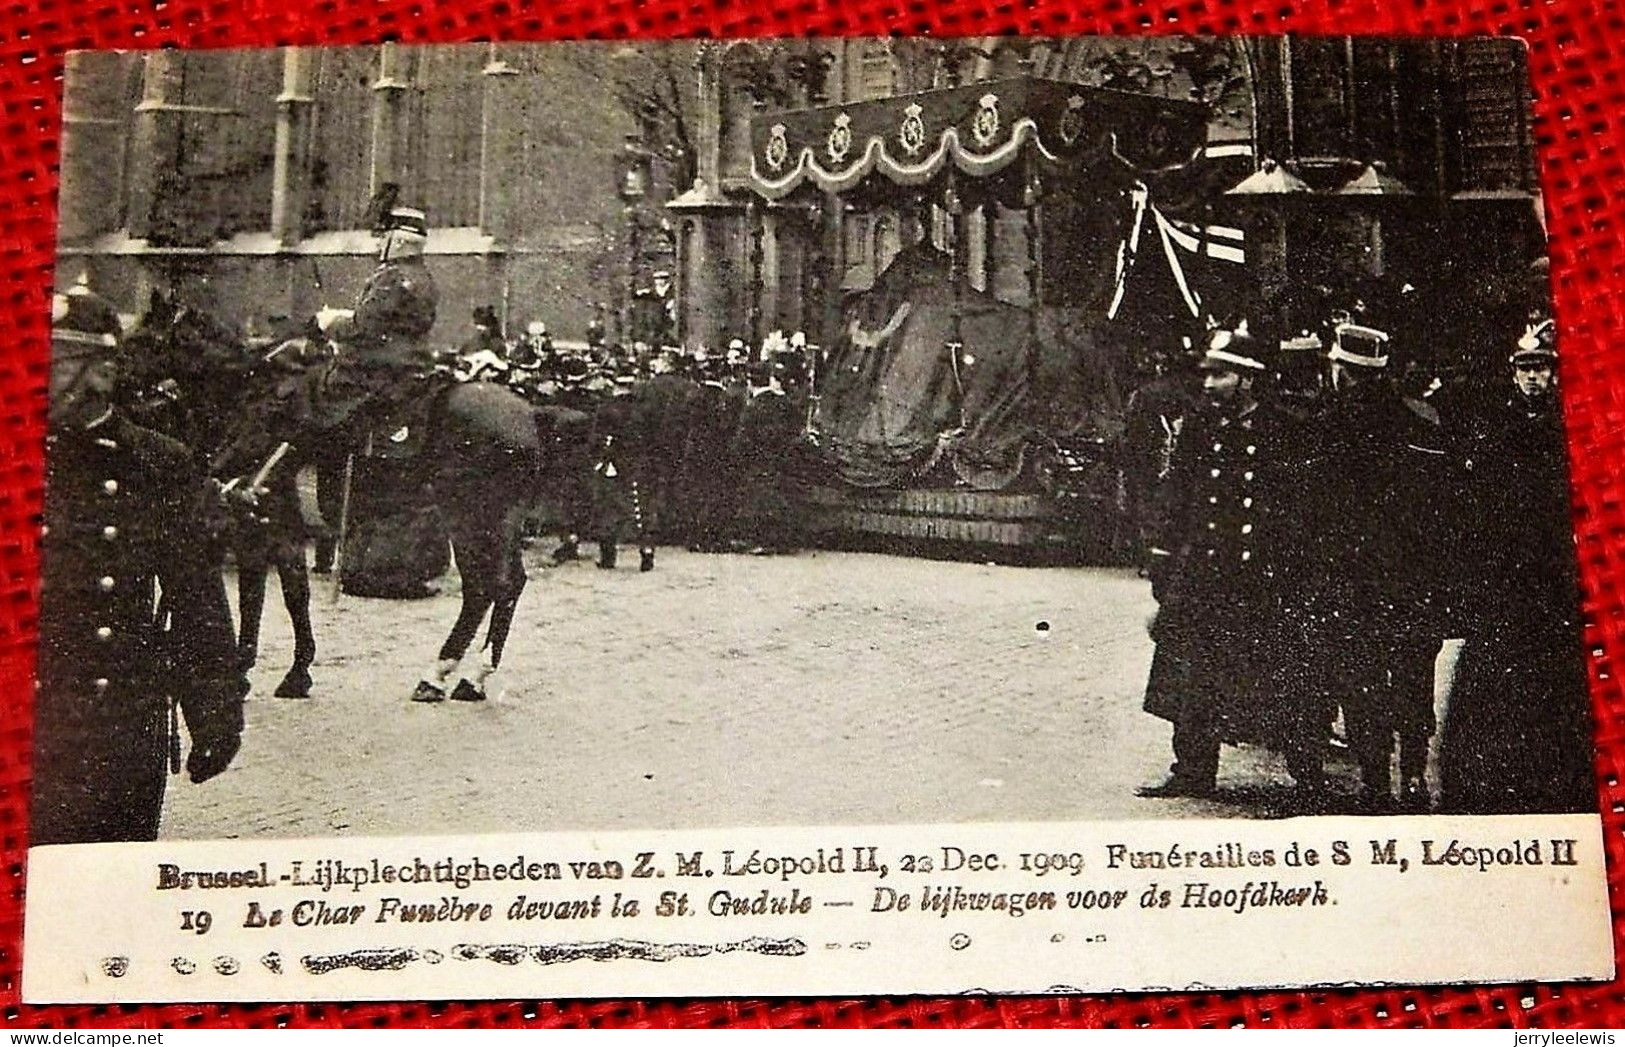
344, 526
270, 463
344, 520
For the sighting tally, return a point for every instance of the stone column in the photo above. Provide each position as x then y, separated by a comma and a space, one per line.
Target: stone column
290, 179
498, 172
391, 151
768, 278
708, 104
834, 236
155, 152
681, 284
92, 150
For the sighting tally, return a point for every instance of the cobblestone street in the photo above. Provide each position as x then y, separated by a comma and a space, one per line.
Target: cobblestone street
824, 687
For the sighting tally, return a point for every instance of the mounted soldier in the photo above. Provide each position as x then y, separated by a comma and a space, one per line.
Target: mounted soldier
384, 340
377, 381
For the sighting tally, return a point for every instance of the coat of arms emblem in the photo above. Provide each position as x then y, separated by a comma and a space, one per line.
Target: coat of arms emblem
985, 126
1072, 120
778, 148
840, 138
912, 133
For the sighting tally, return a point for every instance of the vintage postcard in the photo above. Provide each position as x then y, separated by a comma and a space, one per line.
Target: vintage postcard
806, 516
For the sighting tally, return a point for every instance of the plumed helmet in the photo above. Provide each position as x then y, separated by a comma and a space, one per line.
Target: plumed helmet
1232, 348
1537, 345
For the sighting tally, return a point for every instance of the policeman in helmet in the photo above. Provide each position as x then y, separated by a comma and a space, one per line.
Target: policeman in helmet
123, 520
1534, 367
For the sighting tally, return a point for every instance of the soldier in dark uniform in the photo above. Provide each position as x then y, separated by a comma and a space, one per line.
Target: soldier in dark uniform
1221, 571
763, 452
576, 492
619, 472
534, 352
1381, 469
1153, 418
1517, 734
487, 336
1300, 368
123, 524
710, 473
596, 331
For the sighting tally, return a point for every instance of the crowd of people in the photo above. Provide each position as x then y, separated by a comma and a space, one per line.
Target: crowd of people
687, 446
1321, 514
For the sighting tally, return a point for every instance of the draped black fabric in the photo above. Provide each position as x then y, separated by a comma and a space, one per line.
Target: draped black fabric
896, 404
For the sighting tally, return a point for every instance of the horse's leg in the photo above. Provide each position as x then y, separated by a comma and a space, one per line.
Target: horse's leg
478, 569
575, 510
252, 567
295, 579
330, 503
510, 584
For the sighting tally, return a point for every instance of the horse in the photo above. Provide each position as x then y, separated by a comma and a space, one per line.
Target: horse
191, 389
484, 459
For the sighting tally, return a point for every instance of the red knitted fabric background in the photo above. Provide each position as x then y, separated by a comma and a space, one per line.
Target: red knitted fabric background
1578, 64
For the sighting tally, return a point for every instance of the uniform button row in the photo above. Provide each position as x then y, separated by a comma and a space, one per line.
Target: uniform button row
104, 633
106, 583
110, 486
102, 684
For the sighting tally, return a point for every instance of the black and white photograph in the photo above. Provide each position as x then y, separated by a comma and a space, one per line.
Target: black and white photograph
661, 435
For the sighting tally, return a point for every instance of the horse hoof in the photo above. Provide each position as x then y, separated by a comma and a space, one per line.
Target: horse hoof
428, 692
467, 692
294, 685
646, 561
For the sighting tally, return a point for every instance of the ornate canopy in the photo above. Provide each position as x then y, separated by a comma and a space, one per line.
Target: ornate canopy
980, 128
